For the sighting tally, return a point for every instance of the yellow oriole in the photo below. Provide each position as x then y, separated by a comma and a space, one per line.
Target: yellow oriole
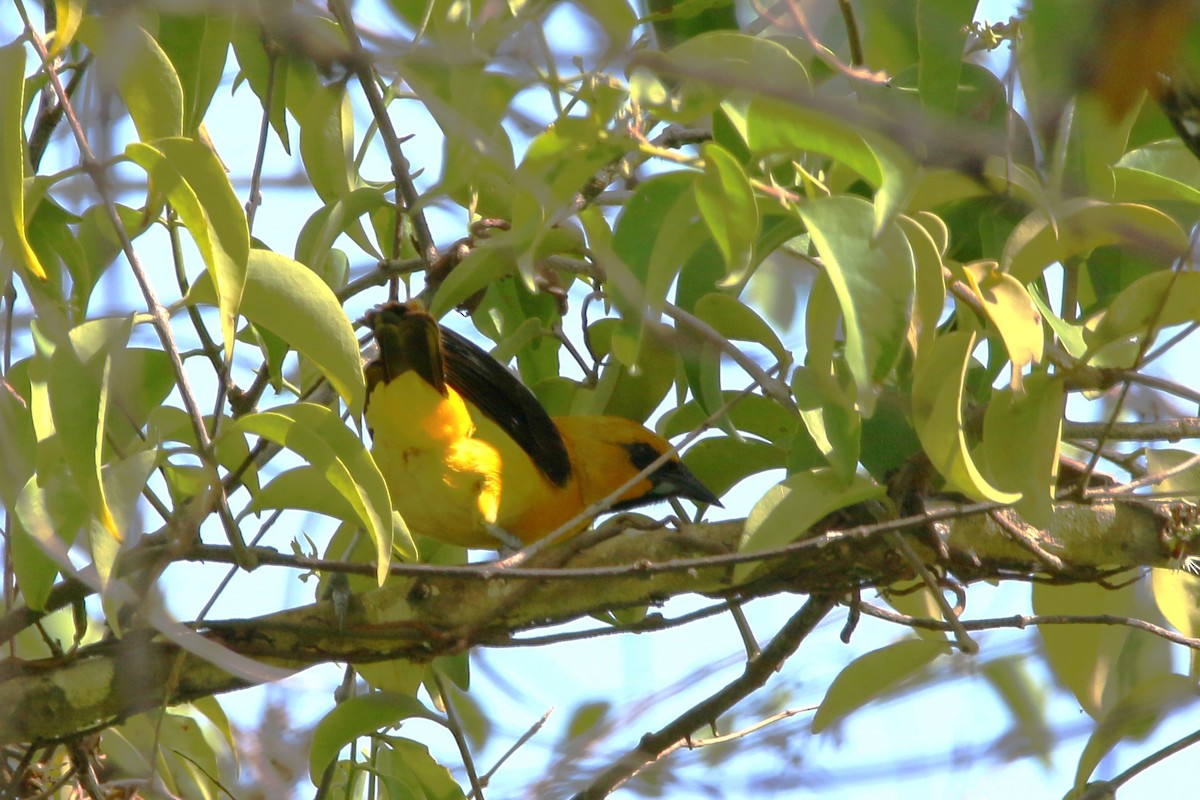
472, 458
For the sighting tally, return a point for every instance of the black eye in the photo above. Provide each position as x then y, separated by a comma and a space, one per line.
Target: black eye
641, 454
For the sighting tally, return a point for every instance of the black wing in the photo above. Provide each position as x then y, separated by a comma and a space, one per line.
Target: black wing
489, 386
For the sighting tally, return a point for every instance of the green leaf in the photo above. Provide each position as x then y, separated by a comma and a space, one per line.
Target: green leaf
772, 126
942, 27
938, 378
123, 484
676, 21
327, 143
835, 429
1134, 716
18, 440
304, 488
288, 299
1161, 299
711, 67
1080, 226
1177, 594
197, 45
874, 675
789, 509
735, 320
874, 284
78, 385
1071, 335
1099, 663
929, 284
410, 761
729, 209
359, 716
752, 413
657, 232
331, 221
1021, 444
145, 76
492, 260
720, 462
13, 163
1159, 171
634, 390
195, 182
49, 513
319, 436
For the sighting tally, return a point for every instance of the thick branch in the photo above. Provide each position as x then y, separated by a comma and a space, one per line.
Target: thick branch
418, 617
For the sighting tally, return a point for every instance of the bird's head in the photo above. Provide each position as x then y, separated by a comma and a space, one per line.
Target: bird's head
608, 451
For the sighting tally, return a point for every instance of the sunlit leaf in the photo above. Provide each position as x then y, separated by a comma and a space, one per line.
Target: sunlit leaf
1010, 308
292, 302
786, 512
315, 433
1160, 300
874, 283
13, 162
938, 416
192, 177
1080, 226
1021, 444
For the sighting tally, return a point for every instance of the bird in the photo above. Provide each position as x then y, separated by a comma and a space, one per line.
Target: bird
470, 456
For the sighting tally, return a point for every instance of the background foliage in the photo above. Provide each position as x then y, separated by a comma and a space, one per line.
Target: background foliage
876, 266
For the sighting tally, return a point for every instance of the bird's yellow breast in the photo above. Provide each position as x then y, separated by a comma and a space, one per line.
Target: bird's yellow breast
443, 480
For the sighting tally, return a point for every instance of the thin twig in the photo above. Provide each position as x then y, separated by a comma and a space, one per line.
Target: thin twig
460, 738
1154, 758
1023, 621
654, 745
254, 200
964, 641
1026, 539
406, 190
525, 737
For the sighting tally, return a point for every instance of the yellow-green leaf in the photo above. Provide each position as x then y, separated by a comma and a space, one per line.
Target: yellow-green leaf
195, 182
874, 282
327, 143
1080, 226
789, 509
13, 162
321, 438
1021, 433
359, 716
78, 386
938, 378
1011, 309
729, 209
291, 301
1134, 716
1161, 299
67, 14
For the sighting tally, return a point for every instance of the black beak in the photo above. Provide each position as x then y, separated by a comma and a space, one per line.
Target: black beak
673, 479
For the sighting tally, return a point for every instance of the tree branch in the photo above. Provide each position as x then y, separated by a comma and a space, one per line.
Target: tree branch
439, 610
758, 670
